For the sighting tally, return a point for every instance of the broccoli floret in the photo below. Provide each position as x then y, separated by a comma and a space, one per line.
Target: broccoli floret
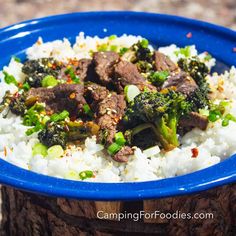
5, 101
53, 134
36, 70
198, 71
142, 52
18, 105
161, 111
199, 99
158, 77
60, 133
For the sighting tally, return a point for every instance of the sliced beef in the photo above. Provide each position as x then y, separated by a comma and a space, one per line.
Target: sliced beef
40, 95
163, 62
127, 73
83, 68
95, 93
123, 154
107, 131
194, 119
61, 97
104, 62
182, 81
109, 112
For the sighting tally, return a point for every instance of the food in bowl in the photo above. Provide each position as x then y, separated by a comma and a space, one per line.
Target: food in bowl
115, 109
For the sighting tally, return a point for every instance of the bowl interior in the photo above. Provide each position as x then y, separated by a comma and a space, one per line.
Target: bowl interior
160, 30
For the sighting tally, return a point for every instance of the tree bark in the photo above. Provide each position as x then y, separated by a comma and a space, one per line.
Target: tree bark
31, 214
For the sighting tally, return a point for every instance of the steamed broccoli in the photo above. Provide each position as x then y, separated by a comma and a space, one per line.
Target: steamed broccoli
15, 102
198, 71
18, 105
161, 112
140, 54
53, 134
36, 70
62, 132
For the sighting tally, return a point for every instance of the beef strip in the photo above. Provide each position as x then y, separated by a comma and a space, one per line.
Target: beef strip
182, 81
194, 119
109, 112
95, 93
126, 73
83, 68
104, 62
61, 97
123, 154
163, 62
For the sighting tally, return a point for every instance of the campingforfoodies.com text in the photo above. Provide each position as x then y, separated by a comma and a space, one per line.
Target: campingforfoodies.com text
154, 215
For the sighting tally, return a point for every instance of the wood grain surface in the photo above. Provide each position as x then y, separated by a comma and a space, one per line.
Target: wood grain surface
31, 214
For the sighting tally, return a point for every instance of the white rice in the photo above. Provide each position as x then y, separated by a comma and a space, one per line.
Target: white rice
214, 144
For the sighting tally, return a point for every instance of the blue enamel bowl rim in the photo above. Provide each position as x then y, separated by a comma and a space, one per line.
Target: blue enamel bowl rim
220, 174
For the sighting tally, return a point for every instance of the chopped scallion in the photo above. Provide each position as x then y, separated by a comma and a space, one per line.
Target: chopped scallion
144, 43
59, 117
39, 149
111, 37
186, 51
26, 86
17, 59
86, 174
120, 139
102, 47
131, 91
9, 79
113, 48
114, 148
55, 151
214, 115
123, 51
70, 71
87, 110
49, 81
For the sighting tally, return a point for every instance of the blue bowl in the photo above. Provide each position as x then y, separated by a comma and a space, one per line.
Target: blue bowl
160, 30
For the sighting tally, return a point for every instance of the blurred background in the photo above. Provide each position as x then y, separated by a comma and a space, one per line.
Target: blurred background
221, 12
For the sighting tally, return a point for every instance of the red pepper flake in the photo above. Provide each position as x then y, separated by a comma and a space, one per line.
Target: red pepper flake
234, 49
5, 151
189, 35
49, 113
16, 95
54, 66
72, 96
194, 152
69, 80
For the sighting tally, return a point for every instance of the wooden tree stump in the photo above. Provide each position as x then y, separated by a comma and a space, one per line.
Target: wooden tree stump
31, 214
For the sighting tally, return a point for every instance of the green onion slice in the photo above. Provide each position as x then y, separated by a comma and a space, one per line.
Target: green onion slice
55, 151
114, 148
49, 81
86, 174
120, 139
131, 91
39, 149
